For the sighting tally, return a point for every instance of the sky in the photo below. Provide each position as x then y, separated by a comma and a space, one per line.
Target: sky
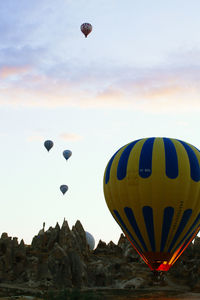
136, 75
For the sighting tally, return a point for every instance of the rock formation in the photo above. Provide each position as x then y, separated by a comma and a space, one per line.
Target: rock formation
60, 258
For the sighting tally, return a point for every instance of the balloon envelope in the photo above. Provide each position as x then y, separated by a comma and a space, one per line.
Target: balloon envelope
48, 144
64, 188
152, 188
86, 28
67, 154
90, 240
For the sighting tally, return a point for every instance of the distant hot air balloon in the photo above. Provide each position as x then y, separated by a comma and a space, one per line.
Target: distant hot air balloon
48, 144
152, 188
90, 240
86, 28
64, 188
67, 154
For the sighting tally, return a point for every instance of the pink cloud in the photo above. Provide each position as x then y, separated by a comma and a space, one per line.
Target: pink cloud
8, 71
70, 136
155, 90
35, 138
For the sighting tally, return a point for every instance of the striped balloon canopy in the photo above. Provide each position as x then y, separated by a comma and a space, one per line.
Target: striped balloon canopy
152, 189
86, 28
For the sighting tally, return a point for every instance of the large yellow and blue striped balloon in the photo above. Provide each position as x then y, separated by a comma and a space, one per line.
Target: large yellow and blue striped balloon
152, 188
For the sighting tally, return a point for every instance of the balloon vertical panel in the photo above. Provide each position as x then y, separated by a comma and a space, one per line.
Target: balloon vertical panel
133, 186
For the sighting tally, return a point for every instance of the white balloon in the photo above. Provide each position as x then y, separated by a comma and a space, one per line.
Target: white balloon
90, 240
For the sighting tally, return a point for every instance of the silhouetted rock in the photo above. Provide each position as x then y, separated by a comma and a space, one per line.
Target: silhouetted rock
60, 258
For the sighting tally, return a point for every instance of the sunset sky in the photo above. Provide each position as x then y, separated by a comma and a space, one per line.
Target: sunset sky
136, 75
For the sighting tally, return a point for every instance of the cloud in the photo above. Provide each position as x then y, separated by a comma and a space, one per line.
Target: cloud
8, 71
158, 90
43, 65
35, 137
70, 136
66, 136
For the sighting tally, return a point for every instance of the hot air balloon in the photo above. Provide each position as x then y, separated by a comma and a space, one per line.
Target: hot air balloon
86, 28
48, 144
90, 240
152, 189
64, 188
67, 154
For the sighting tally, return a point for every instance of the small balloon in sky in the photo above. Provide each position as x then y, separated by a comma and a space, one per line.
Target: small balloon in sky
86, 28
67, 154
48, 144
90, 240
63, 188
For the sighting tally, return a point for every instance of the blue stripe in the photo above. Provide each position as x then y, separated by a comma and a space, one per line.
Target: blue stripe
107, 177
148, 218
192, 228
145, 163
196, 148
167, 220
123, 161
131, 218
185, 218
185, 243
171, 160
126, 229
194, 164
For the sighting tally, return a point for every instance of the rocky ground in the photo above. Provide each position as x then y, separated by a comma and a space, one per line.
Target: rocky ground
59, 260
